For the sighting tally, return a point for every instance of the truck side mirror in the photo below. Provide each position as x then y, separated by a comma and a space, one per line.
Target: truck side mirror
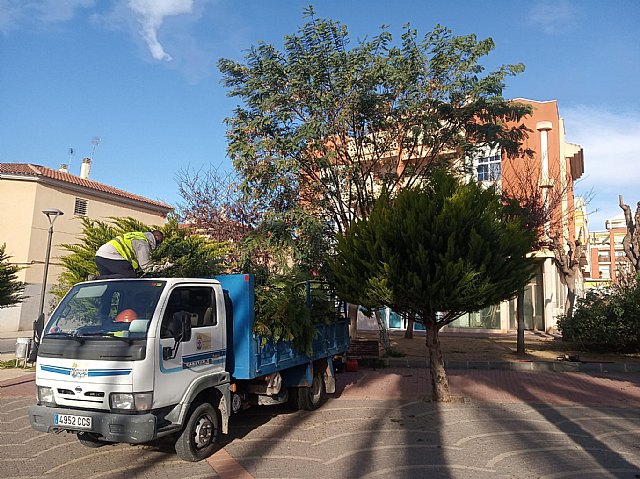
180, 330
181, 326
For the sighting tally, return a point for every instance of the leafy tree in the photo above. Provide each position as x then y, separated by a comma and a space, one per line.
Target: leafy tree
191, 255
437, 251
293, 242
10, 288
282, 249
327, 125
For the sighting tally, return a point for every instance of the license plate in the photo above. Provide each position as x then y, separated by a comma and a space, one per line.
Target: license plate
76, 422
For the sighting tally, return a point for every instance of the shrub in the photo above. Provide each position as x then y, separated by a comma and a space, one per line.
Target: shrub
606, 320
287, 310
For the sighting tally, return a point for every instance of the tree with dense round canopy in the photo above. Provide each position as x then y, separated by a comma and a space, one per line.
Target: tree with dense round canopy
436, 251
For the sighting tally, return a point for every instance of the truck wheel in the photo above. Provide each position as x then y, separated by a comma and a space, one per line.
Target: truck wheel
88, 439
317, 392
198, 439
311, 398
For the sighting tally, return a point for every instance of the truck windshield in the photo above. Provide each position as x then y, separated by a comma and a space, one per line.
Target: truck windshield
106, 309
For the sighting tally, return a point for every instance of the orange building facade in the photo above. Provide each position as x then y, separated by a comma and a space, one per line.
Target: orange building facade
547, 176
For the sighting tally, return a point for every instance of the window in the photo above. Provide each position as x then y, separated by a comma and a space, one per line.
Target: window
80, 208
487, 318
490, 168
198, 301
107, 308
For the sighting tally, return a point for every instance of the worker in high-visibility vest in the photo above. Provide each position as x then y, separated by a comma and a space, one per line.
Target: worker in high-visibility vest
125, 255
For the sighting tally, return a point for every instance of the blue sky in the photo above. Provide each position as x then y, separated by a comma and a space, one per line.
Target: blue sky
141, 75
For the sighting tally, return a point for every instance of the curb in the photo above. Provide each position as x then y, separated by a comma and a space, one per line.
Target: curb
548, 366
24, 378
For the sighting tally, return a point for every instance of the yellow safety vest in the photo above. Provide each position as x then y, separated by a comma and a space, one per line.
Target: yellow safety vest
123, 246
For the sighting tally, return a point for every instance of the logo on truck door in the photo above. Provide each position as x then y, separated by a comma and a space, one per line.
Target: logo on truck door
203, 341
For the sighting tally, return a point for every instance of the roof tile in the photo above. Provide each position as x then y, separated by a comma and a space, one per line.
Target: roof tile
29, 169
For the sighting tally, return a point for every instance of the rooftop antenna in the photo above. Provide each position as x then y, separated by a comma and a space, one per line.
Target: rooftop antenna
95, 141
70, 153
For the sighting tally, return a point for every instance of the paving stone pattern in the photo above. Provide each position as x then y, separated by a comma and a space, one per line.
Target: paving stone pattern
379, 424
415, 439
26, 453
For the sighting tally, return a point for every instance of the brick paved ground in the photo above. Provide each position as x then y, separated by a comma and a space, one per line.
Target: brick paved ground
380, 423
502, 386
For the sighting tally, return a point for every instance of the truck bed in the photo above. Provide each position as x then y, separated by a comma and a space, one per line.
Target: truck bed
246, 357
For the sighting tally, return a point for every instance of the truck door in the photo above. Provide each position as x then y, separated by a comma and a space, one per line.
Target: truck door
203, 353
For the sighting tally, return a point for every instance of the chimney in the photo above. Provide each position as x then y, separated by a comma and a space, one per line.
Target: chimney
64, 168
84, 169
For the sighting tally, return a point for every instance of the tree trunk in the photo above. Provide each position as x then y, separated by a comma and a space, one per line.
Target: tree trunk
384, 335
571, 294
353, 321
408, 334
631, 241
439, 381
521, 350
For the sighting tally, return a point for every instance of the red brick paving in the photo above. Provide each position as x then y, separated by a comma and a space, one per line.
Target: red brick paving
19, 387
495, 386
546, 387
226, 466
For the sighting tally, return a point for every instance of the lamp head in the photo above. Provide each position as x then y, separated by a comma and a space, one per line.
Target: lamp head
52, 213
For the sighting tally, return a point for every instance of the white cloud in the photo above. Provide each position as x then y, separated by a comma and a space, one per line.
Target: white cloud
10, 13
611, 143
14, 13
57, 11
552, 17
151, 14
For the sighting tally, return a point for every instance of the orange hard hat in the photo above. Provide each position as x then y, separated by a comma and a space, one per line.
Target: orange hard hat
126, 316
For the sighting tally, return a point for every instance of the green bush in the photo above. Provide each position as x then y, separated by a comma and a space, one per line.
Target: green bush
605, 320
283, 310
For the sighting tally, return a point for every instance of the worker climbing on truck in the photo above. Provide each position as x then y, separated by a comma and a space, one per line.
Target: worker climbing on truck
125, 255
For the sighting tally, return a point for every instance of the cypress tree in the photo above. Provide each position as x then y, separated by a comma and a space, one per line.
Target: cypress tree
438, 251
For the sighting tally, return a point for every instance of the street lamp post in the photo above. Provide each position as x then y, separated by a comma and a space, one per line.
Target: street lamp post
52, 214
38, 324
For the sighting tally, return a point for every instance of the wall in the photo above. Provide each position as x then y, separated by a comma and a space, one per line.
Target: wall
17, 200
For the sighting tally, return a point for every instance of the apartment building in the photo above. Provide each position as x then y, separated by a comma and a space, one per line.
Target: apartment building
606, 255
26, 191
548, 175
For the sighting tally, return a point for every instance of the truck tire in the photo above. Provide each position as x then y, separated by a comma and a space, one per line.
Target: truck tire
88, 439
311, 398
198, 439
